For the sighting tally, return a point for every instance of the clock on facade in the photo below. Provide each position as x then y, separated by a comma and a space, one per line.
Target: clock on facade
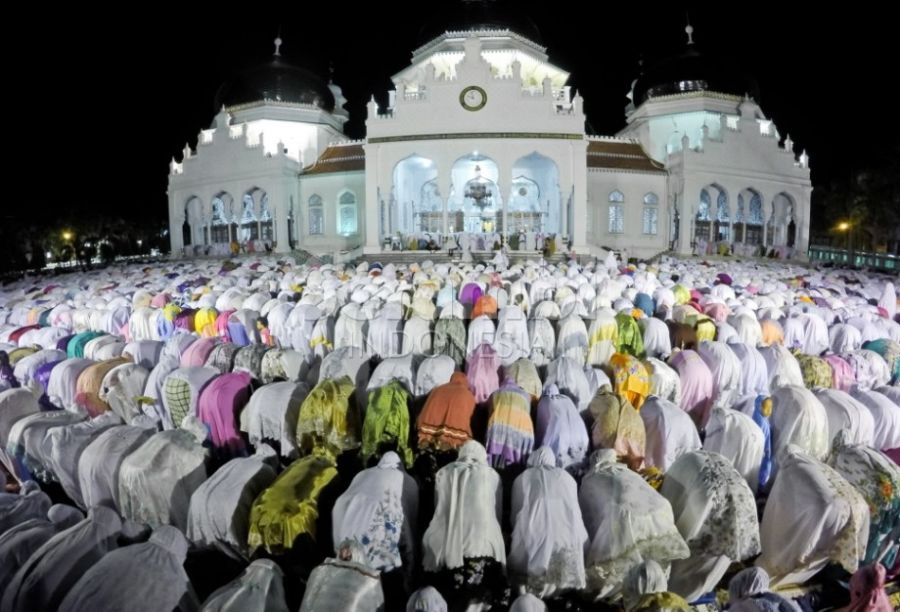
473, 98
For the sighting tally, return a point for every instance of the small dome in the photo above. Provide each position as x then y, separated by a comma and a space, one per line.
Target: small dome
693, 71
275, 80
472, 15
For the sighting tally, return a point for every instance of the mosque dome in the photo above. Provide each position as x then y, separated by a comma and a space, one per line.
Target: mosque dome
691, 70
472, 15
276, 80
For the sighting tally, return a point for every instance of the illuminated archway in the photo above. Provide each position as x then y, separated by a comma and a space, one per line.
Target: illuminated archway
533, 204
475, 203
416, 205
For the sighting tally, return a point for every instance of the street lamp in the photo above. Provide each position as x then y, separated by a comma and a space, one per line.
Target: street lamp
846, 226
67, 235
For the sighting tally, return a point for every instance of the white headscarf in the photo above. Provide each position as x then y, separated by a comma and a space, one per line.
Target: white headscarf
373, 500
547, 526
468, 499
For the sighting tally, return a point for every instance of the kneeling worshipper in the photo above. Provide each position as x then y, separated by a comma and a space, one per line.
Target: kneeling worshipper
548, 538
798, 418
147, 498
645, 590
260, 588
697, 386
426, 599
19, 542
748, 591
848, 416
813, 516
445, 422
329, 417
289, 508
464, 539
29, 503
344, 584
886, 416
143, 577
378, 511
631, 379
219, 512
669, 432
736, 437
618, 426
100, 461
664, 381
386, 422
560, 428
867, 592
715, 512
510, 432
49, 574
877, 478
628, 523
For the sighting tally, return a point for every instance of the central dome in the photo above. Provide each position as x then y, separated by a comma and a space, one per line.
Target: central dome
473, 15
275, 80
693, 71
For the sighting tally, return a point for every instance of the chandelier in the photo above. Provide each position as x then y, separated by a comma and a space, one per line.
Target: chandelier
477, 189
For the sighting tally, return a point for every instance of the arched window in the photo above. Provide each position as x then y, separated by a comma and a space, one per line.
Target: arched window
266, 229
651, 214
249, 226
347, 214
756, 212
220, 221
703, 210
616, 212
316, 216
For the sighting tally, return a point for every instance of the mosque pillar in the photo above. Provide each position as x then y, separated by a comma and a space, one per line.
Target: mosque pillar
801, 240
578, 194
278, 209
687, 202
175, 220
372, 200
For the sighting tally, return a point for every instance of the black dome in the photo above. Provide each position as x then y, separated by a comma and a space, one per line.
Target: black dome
471, 15
275, 80
693, 71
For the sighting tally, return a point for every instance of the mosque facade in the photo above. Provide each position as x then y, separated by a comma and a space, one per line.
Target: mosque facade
482, 141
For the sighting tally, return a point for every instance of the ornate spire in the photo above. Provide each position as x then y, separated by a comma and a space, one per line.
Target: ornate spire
278, 42
689, 30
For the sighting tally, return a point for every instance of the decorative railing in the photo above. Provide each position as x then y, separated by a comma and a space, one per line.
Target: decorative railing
860, 259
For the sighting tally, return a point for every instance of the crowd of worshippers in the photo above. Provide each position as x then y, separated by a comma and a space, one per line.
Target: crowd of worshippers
257, 435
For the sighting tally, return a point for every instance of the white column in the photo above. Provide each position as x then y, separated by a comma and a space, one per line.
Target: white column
175, 220
686, 212
578, 165
372, 204
278, 208
802, 213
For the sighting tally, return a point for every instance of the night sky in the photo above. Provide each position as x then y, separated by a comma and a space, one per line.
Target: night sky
107, 99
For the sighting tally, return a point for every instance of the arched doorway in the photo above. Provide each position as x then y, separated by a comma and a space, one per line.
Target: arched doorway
475, 203
222, 220
711, 224
748, 227
784, 228
534, 196
417, 205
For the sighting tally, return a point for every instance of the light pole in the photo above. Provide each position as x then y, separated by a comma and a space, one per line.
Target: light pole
844, 226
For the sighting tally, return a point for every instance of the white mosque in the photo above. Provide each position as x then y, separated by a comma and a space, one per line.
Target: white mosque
483, 138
